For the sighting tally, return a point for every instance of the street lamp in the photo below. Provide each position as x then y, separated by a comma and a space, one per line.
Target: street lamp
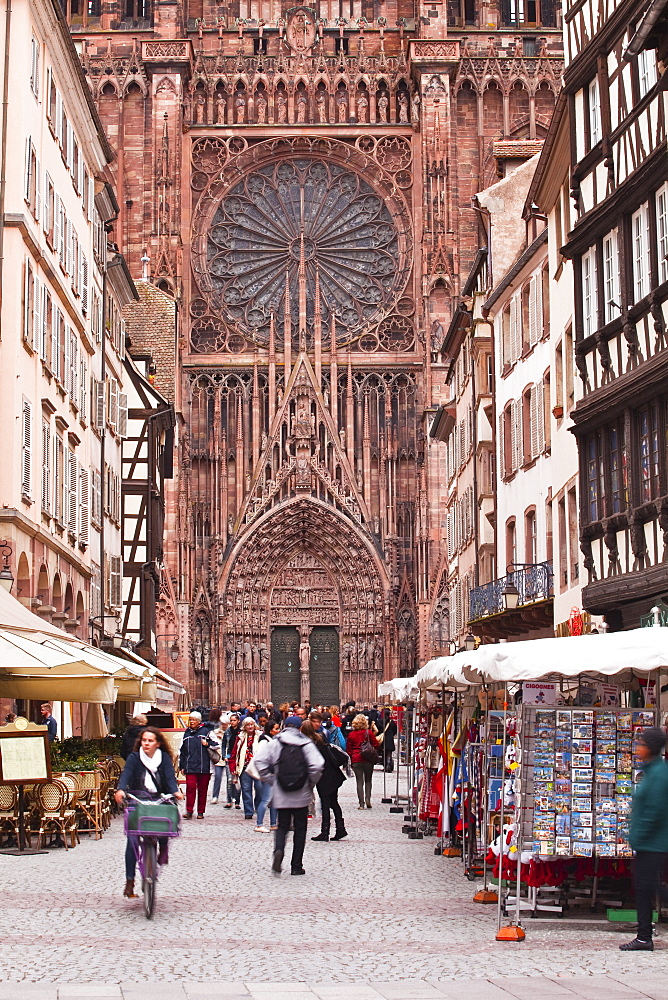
469, 642
511, 596
6, 577
174, 651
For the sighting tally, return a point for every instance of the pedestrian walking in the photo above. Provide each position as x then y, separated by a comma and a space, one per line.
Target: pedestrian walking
360, 747
244, 751
227, 751
148, 774
131, 735
220, 768
330, 781
388, 734
293, 766
333, 732
648, 834
271, 731
195, 762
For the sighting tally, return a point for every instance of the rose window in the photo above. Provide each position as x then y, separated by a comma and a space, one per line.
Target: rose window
302, 213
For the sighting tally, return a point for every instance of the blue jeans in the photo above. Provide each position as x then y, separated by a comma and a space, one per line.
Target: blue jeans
218, 772
233, 794
247, 786
264, 802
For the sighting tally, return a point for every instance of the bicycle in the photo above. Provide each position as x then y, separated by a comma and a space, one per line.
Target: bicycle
145, 823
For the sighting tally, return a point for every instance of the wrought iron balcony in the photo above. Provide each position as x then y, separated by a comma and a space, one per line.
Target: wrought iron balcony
534, 582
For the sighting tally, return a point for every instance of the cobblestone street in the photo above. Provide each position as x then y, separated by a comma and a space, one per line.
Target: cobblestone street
375, 909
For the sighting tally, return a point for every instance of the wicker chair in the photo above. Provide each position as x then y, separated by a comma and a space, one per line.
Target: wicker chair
105, 784
54, 801
89, 805
9, 811
114, 770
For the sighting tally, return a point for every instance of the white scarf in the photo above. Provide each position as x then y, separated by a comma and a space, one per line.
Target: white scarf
151, 764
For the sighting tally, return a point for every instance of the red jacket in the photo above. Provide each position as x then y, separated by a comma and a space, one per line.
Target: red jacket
354, 744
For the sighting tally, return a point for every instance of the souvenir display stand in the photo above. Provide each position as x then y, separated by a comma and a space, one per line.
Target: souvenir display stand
546, 771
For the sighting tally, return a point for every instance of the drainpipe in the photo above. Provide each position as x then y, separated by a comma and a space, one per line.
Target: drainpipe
474, 435
3, 147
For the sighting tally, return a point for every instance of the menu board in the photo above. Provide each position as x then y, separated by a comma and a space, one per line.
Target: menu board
583, 777
24, 757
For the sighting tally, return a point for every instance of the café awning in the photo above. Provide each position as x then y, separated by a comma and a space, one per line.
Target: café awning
28, 669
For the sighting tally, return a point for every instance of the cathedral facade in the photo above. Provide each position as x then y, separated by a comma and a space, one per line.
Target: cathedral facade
299, 179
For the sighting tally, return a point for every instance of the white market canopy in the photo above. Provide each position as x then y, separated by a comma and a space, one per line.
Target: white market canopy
641, 651
40, 661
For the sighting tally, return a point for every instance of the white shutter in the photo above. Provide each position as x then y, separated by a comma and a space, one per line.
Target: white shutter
44, 330
98, 404
59, 117
27, 180
55, 343
65, 375
540, 413
26, 451
513, 439
83, 388
62, 235
84, 511
533, 332
49, 107
83, 284
539, 306
115, 588
113, 403
38, 192
36, 314
58, 479
72, 492
91, 198
28, 302
47, 221
519, 436
533, 421
74, 366
46, 467
80, 179
70, 145
56, 222
514, 332
504, 470
69, 249
122, 414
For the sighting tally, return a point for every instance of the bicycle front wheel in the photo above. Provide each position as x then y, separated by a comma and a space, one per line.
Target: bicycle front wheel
150, 877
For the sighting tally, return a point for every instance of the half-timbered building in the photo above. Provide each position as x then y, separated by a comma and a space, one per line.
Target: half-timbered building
619, 247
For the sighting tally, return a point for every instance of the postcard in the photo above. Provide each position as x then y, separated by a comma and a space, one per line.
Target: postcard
581, 804
583, 773
606, 807
563, 824
581, 760
606, 850
624, 803
606, 746
624, 785
643, 719
606, 719
582, 788
582, 746
582, 850
605, 761
585, 718
624, 720
583, 818
605, 777
563, 743
563, 846
624, 763
583, 732
562, 761
543, 773
564, 720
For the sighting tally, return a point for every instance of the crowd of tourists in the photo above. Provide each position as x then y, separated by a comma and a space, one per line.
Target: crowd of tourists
270, 762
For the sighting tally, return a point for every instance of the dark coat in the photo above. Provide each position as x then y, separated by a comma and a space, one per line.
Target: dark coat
388, 734
129, 739
648, 829
134, 772
193, 758
332, 778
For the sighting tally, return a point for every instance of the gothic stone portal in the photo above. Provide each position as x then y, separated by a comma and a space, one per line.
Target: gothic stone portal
322, 681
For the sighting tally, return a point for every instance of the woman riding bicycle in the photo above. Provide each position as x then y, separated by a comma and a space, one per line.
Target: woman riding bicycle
148, 774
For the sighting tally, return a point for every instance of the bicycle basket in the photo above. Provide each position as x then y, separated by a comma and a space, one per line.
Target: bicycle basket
153, 817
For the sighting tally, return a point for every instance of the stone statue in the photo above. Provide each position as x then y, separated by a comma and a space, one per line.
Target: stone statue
302, 106
362, 107
261, 108
240, 105
264, 657
378, 658
342, 107
403, 106
247, 655
383, 107
239, 654
415, 108
200, 107
281, 108
256, 657
304, 667
321, 105
187, 108
220, 108
345, 656
229, 653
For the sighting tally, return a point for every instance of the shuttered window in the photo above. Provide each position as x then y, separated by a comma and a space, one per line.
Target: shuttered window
34, 66
84, 508
98, 402
96, 498
122, 415
28, 302
535, 309
589, 293
113, 403
115, 583
59, 480
46, 467
662, 231
641, 241
72, 493
83, 388
26, 450
611, 277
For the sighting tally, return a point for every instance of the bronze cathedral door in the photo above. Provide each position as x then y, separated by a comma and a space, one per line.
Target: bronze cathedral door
324, 666
284, 665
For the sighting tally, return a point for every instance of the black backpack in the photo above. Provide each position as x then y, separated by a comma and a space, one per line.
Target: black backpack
292, 771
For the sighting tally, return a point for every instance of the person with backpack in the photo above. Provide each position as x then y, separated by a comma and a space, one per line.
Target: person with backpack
361, 747
293, 766
331, 780
332, 732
